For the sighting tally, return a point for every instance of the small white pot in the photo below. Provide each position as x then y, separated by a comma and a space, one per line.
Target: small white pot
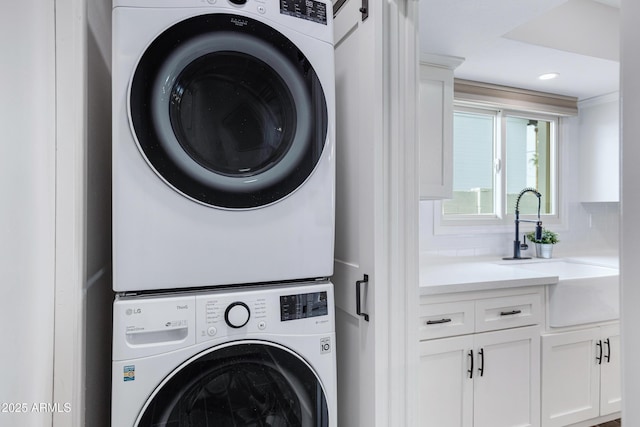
544, 250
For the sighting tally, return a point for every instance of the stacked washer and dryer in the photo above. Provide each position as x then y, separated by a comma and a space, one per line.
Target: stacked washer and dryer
223, 213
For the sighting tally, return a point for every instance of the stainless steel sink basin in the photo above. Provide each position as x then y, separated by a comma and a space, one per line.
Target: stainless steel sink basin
584, 293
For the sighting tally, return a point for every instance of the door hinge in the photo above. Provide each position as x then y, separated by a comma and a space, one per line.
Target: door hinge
359, 284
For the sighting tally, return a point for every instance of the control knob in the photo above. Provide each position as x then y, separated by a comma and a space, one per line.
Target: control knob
237, 314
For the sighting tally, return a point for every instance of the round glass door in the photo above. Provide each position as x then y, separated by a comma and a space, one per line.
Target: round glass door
250, 384
228, 111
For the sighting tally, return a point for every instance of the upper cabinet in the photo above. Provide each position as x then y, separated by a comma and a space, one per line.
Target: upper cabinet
600, 149
436, 126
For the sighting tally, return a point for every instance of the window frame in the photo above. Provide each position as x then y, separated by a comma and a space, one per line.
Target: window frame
502, 220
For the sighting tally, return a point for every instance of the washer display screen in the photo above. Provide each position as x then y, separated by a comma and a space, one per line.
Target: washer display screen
305, 9
303, 306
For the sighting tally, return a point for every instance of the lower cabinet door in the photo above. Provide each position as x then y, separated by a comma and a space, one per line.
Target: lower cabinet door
610, 370
490, 379
570, 377
446, 386
507, 378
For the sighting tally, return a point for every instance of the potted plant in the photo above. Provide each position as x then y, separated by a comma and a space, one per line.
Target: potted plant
544, 245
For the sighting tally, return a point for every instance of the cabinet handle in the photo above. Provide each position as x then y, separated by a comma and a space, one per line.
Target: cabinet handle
599, 357
470, 371
359, 284
481, 370
608, 354
510, 313
437, 322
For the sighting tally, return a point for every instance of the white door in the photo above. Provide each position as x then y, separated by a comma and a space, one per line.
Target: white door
446, 383
570, 377
507, 378
358, 191
610, 370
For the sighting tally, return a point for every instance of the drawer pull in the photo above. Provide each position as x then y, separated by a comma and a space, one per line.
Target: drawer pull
438, 322
510, 313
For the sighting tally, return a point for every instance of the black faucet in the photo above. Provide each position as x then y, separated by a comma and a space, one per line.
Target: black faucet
516, 243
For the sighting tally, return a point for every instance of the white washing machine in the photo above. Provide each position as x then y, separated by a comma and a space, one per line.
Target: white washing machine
223, 142
246, 356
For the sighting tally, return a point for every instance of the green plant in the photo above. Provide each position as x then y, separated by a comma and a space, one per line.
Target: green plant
548, 237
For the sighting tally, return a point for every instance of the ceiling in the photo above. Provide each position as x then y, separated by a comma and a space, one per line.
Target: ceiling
512, 42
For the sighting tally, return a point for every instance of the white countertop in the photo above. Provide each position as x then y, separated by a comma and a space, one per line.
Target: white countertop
440, 275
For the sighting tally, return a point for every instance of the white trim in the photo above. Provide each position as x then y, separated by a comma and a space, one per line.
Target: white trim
69, 363
630, 210
597, 100
402, 80
448, 62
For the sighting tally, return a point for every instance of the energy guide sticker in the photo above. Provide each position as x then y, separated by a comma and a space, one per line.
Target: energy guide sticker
129, 373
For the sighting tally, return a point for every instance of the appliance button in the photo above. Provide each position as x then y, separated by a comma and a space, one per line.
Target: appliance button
237, 314
262, 9
262, 325
212, 331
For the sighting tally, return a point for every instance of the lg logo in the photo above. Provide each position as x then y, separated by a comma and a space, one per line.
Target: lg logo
131, 311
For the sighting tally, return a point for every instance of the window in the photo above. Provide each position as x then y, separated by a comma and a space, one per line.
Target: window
496, 155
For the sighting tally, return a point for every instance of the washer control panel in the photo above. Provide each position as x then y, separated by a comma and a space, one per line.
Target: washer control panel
264, 310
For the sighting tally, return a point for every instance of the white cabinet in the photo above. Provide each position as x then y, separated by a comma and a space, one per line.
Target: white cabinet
436, 127
610, 370
376, 212
482, 380
600, 149
507, 381
446, 389
580, 375
488, 377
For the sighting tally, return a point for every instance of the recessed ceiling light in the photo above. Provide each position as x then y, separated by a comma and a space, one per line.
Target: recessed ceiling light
548, 76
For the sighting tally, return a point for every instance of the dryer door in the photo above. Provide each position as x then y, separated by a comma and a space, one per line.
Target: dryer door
228, 111
250, 383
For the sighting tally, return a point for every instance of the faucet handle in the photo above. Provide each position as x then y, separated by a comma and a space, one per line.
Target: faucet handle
539, 230
524, 245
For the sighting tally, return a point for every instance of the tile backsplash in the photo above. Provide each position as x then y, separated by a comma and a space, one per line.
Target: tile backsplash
589, 228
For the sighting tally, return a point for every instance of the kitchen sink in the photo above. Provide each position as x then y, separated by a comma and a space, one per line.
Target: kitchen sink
584, 293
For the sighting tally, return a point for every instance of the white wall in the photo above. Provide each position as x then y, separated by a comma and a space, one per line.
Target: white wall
630, 202
586, 228
27, 203
600, 148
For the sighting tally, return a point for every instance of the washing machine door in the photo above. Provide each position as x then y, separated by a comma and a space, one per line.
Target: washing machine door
243, 384
228, 111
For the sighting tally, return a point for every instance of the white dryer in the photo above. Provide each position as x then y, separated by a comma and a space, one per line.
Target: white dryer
247, 356
223, 142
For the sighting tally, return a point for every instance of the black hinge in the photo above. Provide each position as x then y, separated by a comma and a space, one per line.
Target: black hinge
359, 284
364, 9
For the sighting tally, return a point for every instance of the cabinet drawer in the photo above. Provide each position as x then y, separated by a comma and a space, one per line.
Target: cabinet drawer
507, 312
448, 319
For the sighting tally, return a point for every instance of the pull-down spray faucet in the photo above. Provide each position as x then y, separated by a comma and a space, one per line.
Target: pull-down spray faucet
516, 243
